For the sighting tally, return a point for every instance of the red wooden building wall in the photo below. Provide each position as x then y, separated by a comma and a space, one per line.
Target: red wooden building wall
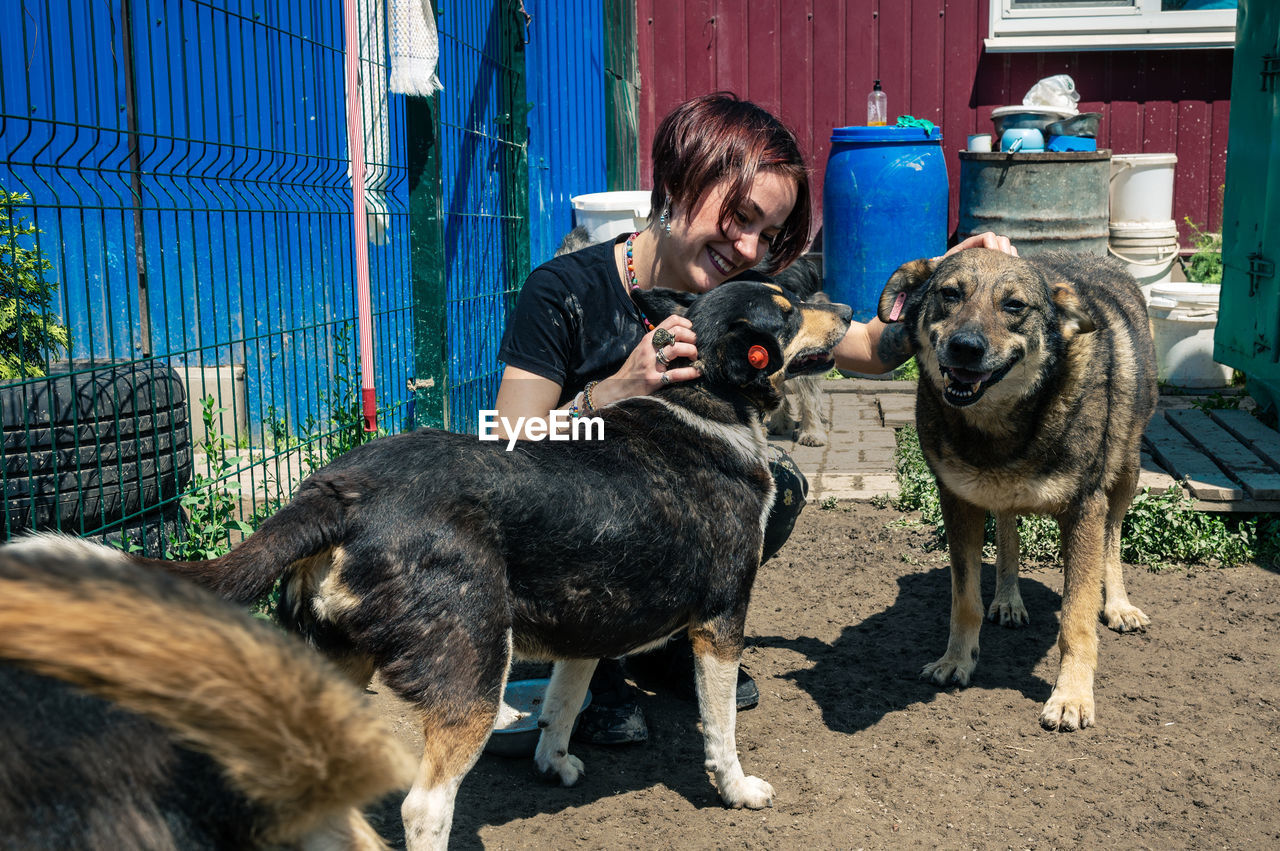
812, 62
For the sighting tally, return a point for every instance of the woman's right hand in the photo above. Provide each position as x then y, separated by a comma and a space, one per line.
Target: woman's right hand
644, 372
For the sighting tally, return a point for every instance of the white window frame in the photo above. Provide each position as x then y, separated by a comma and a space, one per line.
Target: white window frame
1144, 25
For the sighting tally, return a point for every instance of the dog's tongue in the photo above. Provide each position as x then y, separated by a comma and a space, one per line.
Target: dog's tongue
966, 376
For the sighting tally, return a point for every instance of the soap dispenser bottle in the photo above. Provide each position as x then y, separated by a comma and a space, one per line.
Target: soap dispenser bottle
877, 107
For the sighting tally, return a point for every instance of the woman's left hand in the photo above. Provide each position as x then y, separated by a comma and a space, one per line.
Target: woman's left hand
990, 240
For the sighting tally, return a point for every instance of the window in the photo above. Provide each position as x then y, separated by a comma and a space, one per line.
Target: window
1110, 24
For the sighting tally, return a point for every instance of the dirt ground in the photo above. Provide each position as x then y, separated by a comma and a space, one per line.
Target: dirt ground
862, 753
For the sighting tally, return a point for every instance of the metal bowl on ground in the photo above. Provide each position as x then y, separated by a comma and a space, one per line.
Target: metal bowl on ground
1085, 124
521, 737
1025, 118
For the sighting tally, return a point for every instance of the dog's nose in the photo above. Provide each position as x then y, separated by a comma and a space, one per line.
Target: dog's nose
967, 348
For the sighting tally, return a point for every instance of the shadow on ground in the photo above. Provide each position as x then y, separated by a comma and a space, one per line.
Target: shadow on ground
873, 668
502, 789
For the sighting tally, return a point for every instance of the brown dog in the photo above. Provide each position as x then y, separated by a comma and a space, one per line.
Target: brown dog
1037, 379
142, 712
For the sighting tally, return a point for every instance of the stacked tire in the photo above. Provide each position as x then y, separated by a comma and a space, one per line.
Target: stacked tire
94, 444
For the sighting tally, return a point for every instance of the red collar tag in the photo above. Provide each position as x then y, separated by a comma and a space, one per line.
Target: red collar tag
758, 357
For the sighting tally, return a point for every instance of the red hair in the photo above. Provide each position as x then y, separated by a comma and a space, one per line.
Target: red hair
718, 137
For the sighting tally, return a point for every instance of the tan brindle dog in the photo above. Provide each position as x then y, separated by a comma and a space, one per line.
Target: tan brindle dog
1037, 379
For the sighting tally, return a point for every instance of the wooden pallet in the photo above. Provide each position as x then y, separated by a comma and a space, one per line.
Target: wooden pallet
1226, 459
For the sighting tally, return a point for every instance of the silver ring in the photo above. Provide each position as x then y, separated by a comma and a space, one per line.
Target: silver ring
662, 358
662, 338
665, 379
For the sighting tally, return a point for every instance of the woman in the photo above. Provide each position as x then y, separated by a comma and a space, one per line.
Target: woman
730, 188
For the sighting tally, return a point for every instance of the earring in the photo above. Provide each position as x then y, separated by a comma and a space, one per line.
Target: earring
665, 219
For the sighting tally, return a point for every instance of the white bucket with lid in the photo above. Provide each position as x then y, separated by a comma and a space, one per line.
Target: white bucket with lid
1183, 316
1142, 187
1148, 250
608, 214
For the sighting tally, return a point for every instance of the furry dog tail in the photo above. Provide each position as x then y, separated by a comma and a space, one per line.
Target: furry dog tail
289, 732
309, 524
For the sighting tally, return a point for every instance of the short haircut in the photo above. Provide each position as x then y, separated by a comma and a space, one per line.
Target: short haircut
719, 137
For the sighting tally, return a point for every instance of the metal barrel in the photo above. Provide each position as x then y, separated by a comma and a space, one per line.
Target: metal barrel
1041, 201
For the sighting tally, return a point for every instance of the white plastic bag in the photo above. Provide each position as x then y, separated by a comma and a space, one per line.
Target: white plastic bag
1056, 92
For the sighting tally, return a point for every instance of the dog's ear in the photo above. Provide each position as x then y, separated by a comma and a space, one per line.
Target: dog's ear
1075, 318
901, 286
659, 303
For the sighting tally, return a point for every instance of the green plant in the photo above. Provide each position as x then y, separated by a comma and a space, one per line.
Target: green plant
909, 371
211, 502
30, 333
1164, 528
1217, 401
916, 488
345, 429
1205, 265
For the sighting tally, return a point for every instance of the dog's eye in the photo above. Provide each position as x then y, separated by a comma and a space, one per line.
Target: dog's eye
1014, 306
950, 295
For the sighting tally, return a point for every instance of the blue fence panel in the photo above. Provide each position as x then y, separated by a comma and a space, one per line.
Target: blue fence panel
480, 214
568, 151
239, 190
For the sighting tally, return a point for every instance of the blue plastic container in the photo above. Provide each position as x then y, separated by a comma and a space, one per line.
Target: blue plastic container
884, 202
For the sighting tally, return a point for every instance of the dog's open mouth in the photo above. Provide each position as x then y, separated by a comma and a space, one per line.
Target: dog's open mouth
961, 387
810, 363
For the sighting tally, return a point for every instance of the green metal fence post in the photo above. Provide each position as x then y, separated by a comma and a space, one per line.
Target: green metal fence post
622, 95
516, 107
427, 261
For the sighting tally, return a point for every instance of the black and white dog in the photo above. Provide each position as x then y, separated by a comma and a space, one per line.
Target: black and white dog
432, 557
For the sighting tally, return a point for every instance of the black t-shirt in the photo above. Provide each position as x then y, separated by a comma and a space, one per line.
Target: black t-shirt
574, 321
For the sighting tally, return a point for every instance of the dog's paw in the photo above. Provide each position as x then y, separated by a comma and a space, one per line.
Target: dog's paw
564, 766
1011, 613
1126, 618
947, 670
811, 437
1066, 713
750, 792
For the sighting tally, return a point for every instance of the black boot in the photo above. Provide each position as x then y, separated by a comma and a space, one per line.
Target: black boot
613, 716
669, 669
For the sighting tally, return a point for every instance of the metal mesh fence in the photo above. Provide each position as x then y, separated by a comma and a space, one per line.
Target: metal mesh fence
177, 222
483, 144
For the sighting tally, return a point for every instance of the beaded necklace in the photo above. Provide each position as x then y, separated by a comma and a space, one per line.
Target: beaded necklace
631, 280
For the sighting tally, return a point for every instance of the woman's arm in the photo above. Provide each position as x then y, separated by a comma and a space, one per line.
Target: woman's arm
873, 348
524, 394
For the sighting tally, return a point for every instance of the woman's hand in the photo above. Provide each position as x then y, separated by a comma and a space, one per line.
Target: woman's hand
984, 240
644, 370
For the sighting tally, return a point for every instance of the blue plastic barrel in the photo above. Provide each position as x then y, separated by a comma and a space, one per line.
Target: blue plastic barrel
884, 202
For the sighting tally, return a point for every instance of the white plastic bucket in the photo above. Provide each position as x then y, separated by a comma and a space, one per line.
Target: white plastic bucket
1142, 187
1183, 317
1149, 251
607, 214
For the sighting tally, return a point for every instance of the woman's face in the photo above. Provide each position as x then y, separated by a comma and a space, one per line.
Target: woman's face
698, 255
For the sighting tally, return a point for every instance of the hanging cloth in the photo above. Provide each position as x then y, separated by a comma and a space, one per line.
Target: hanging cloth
415, 48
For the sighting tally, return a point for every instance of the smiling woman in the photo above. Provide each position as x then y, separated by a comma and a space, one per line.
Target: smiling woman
730, 188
